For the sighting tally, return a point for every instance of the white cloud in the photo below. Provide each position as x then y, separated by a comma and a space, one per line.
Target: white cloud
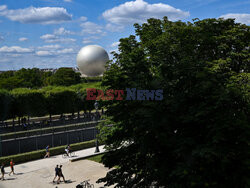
61, 40
86, 41
69, 1
92, 28
44, 53
49, 47
15, 49
40, 15
114, 27
139, 11
83, 19
50, 38
54, 52
1, 38
115, 44
22, 39
240, 18
63, 31
3, 8
66, 51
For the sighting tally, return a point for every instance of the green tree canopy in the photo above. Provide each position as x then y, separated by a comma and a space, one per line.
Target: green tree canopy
65, 77
5, 104
28, 102
198, 135
60, 100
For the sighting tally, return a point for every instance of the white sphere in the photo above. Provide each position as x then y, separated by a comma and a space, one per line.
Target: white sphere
91, 60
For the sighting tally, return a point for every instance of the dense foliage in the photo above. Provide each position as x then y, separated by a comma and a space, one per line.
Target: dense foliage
198, 135
50, 100
36, 78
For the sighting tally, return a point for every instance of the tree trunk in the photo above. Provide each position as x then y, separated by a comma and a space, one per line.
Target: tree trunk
13, 122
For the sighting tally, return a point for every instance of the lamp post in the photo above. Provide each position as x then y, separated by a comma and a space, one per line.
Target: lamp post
0, 147
96, 142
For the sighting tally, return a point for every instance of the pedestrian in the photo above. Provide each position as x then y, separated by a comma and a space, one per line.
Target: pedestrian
47, 152
67, 150
60, 175
57, 173
2, 171
11, 167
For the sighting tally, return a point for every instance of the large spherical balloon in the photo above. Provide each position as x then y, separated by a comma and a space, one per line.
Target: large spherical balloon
91, 60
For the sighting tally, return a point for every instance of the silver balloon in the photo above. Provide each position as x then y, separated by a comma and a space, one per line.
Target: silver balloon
91, 60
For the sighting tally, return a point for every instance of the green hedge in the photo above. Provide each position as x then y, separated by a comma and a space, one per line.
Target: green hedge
39, 154
44, 130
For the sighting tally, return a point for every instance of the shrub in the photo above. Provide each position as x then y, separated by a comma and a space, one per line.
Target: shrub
39, 154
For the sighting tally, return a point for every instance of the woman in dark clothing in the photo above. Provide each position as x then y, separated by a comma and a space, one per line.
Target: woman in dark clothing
57, 173
2, 171
60, 175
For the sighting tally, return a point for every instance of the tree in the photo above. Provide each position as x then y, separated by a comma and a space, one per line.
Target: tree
60, 100
198, 135
5, 105
31, 78
65, 77
29, 102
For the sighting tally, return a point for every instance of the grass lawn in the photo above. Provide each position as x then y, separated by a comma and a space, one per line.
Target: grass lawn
96, 158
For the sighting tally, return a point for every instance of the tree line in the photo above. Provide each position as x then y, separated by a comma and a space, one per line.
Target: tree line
49, 100
37, 78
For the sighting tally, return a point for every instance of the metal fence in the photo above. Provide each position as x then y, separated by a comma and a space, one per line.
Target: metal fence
31, 143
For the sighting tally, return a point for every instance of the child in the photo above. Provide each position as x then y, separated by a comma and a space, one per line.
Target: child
47, 152
11, 167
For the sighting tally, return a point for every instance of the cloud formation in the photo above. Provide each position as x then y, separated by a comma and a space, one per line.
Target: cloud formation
139, 11
63, 31
51, 38
115, 44
54, 52
83, 18
86, 41
22, 39
49, 47
15, 49
44, 53
40, 15
92, 28
240, 18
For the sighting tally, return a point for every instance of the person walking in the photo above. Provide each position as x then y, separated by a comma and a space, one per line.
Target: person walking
47, 152
57, 173
2, 171
67, 150
60, 175
12, 167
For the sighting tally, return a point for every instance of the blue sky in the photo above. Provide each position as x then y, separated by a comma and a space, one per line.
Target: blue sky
49, 33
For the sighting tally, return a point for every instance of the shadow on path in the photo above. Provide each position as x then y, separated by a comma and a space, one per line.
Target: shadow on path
6, 179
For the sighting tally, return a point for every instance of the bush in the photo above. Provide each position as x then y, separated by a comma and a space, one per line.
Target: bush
39, 154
